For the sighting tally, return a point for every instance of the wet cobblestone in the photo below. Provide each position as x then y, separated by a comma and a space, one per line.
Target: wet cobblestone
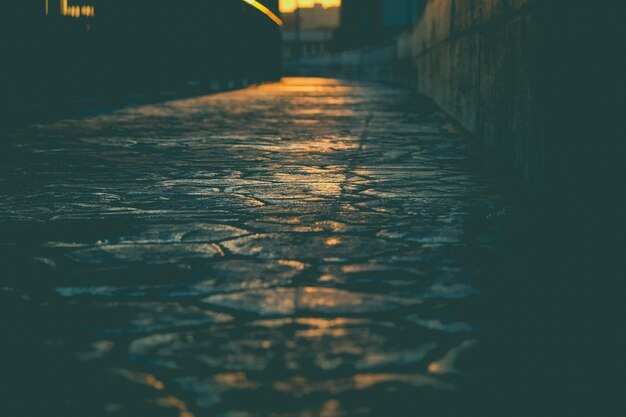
306, 248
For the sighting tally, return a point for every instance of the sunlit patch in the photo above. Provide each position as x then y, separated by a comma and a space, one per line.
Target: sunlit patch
237, 380
366, 381
356, 268
324, 327
338, 101
323, 298
333, 241
321, 332
218, 248
322, 112
293, 264
311, 81
435, 368
330, 225
319, 145
175, 403
327, 278
306, 185
149, 111
283, 220
446, 365
325, 323
300, 88
317, 300
320, 108
319, 88
140, 378
331, 408
273, 323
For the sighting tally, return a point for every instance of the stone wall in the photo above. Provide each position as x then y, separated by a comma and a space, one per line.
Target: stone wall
479, 60
476, 59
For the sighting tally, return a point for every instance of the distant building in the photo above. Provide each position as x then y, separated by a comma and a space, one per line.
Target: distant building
313, 18
310, 42
309, 31
366, 22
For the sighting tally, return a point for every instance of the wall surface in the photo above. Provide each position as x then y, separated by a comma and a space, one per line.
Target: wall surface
489, 64
477, 59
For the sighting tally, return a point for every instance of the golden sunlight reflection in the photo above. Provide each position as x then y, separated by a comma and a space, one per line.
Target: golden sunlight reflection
300, 84
333, 241
323, 327
308, 187
287, 6
435, 368
321, 332
366, 381
320, 145
316, 298
294, 264
326, 323
235, 380
446, 364
175, 403
331, 408
331, 225
319, 111
141, 378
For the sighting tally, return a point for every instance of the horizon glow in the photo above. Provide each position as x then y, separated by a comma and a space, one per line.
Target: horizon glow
287, 6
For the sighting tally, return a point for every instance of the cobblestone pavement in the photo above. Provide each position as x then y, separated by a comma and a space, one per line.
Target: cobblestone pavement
305, 248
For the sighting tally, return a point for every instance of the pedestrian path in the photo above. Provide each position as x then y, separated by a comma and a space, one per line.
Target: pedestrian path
312, 247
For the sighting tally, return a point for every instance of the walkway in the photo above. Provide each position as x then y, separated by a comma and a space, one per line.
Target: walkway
307, 248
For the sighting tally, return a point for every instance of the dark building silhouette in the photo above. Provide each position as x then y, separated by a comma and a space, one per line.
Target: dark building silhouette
58, 49
367, 22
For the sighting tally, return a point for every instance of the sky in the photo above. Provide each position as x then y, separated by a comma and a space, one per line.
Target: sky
289, 5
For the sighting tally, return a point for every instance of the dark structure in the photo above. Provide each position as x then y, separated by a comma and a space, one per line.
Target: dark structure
53, 50
510, 72
367, 22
